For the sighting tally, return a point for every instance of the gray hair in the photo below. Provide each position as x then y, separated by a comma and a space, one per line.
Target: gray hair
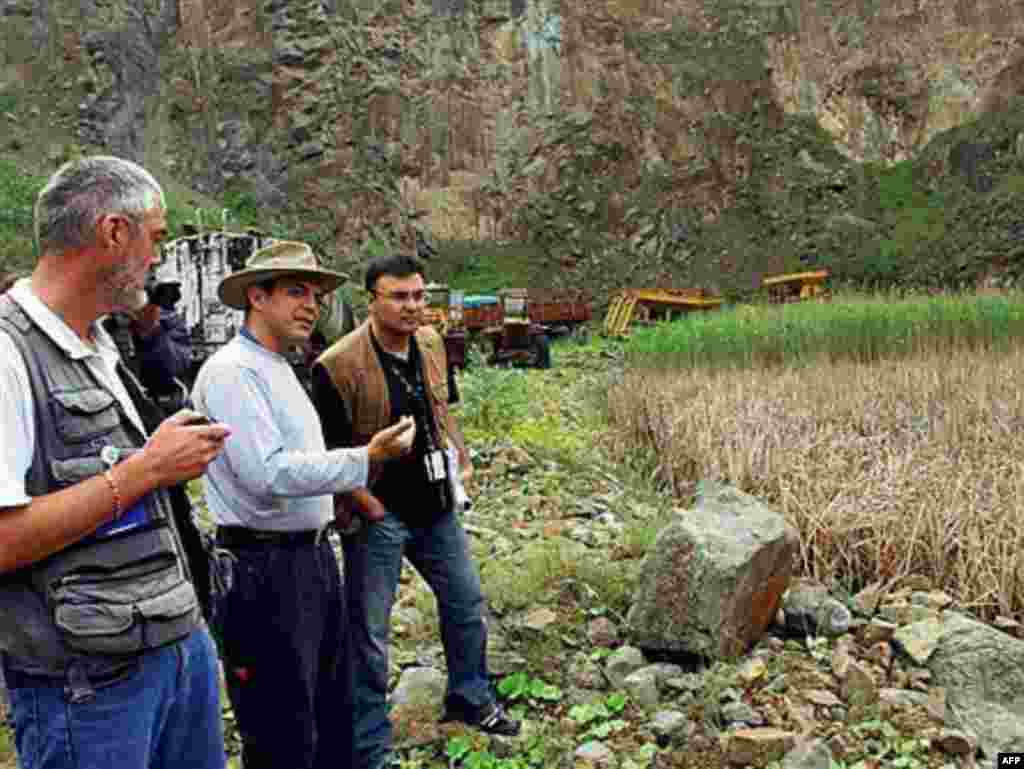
82, 191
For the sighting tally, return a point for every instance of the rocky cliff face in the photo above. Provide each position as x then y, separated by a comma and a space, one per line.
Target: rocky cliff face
695, 138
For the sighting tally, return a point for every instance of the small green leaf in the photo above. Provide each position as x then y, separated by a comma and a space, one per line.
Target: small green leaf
616, 702
458, 748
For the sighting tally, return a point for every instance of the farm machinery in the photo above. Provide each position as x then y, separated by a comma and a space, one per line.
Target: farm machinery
517, 323
648, 305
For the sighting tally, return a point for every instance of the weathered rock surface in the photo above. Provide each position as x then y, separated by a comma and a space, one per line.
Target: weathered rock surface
714, 578
420, 686
466, 121
982, 671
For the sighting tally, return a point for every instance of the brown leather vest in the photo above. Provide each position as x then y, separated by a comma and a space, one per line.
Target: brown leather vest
354, 368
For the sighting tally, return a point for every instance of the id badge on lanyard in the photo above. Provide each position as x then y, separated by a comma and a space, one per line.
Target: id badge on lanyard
436, 467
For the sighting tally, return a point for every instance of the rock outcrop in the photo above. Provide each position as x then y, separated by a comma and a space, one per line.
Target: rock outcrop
660, 141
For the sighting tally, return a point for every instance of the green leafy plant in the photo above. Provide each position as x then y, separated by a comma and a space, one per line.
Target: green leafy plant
600, 717
520, 686
462, 751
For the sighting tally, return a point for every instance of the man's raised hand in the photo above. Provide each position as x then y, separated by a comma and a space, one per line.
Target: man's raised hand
393, 441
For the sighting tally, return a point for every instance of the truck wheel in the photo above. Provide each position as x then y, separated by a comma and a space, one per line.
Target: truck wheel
541, 351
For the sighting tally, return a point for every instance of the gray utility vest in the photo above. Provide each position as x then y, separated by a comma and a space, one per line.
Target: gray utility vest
104, 600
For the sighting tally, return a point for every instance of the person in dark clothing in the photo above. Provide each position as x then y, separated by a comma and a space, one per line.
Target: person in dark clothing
165, 344
156, 345
392, 367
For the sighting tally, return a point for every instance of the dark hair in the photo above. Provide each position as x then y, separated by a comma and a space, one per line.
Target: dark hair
395, 265
268, 288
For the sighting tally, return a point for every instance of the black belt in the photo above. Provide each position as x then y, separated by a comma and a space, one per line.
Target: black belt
242, 536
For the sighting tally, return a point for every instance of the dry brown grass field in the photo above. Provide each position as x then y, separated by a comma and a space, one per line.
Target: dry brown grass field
908, 466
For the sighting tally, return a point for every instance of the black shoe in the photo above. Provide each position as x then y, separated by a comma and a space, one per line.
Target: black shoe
491, 719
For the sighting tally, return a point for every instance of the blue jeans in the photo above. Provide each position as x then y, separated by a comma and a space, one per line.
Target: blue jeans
163, 714
373, 563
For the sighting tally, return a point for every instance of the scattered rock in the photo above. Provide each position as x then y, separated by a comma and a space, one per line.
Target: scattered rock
622, 662
809, 754
982, 671
740, 713
642, 686
663, 672
821, 698
539, 619
420, 686
602, 632
689, 682
758, 746
858, 687
586, 673
669, 723
597, 754
877, 630
801, 603
833, 618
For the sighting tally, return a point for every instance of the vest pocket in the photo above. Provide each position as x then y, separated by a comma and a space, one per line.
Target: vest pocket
84, 415
164, 615
125, 616
105, 601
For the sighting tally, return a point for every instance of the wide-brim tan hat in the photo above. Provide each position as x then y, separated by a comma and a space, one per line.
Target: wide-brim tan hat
286, 257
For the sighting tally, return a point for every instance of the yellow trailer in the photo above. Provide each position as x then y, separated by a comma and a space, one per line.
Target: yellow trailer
644, 305
796, 286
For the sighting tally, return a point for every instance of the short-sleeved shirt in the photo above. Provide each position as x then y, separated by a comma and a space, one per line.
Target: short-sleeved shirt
402, 484
17, 418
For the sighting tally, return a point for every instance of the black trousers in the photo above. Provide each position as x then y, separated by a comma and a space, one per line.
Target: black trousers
286, 658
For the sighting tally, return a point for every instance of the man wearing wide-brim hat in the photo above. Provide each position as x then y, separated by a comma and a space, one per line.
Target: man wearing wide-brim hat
282, 623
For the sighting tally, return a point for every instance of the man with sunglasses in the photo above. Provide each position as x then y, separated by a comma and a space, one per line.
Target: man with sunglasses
282, 623
388, 368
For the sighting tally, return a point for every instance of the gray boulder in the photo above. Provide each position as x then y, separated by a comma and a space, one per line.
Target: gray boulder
714, 579
420, 686
623, 662
982, 671
801, 603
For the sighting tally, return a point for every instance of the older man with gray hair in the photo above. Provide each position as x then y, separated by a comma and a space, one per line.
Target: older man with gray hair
107, 659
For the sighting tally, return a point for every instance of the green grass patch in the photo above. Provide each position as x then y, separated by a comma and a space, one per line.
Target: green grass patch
494, 401
539, 565
18, 192
853, 328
